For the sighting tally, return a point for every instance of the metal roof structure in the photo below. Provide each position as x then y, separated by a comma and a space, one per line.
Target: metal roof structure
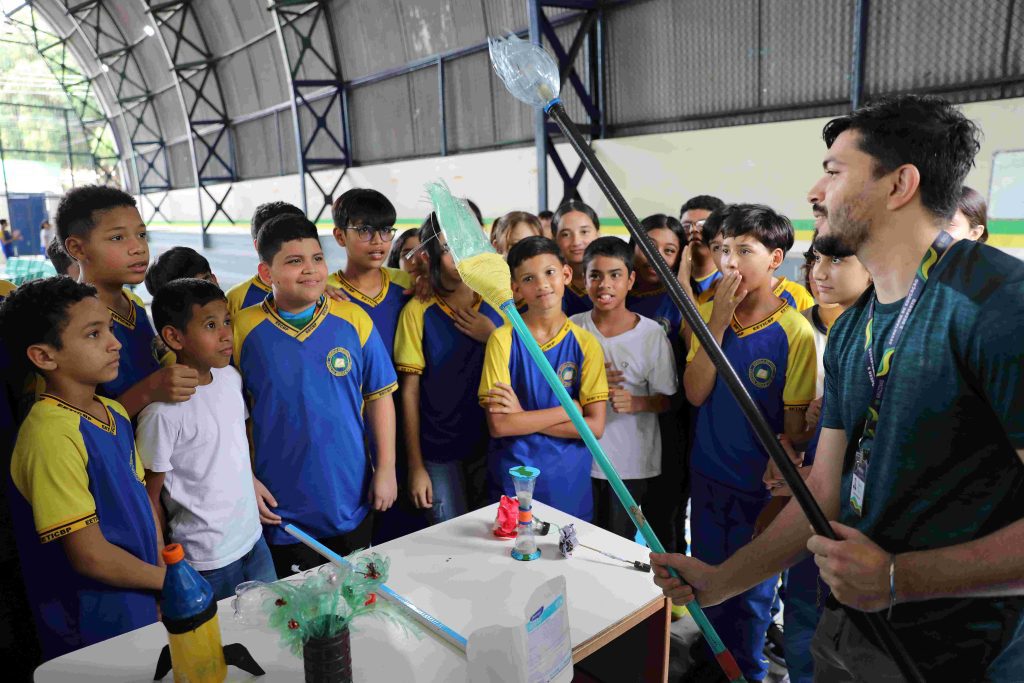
203, 93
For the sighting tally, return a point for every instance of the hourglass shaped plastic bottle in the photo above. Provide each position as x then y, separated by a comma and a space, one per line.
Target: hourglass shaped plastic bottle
524, 478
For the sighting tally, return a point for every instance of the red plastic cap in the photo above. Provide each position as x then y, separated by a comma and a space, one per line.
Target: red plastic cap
173, 553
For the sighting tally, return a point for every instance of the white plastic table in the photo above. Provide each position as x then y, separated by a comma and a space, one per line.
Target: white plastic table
460, 573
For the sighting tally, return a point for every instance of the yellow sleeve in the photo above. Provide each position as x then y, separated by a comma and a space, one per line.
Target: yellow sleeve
801, 296
593, 377
705, 314
409, 356
400, 277
49, 469
496, 360
243, 324
334, 281
802, 365
355, 315
235, 296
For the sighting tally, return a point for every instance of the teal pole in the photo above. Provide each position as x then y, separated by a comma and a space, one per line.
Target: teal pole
722, 655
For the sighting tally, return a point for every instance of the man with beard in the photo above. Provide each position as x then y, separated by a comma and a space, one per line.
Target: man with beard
920, 455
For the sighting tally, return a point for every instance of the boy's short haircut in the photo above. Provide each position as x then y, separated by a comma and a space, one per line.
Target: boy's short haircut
172, 304
610, 247
264, 212
363, 206
58, 257
661, 221
569, 207
530, 247
546, 214
830, 246
37, 313
771, 229
713, 224
173, 264
704, 202
281, 229
923, 130
78, 207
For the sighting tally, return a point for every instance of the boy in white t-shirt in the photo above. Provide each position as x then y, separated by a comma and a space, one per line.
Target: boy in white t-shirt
196, 453
641, 379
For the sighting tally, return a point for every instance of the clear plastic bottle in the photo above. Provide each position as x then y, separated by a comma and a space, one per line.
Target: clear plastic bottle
190, 616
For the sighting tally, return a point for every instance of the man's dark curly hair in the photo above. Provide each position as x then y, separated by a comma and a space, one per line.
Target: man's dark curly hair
37, 313
76, 213
922, 130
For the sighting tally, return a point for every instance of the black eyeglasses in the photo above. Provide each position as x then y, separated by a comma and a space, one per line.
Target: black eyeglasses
366, 232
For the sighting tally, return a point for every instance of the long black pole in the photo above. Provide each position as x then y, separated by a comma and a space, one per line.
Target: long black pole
867, 623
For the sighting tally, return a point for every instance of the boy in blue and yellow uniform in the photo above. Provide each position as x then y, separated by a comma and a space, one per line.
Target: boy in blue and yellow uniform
254, 290
772, 347
86, 531
364, 224
526, 421
311, 367
101, 229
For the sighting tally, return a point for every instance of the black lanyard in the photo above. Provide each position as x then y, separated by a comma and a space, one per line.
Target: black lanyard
879, 374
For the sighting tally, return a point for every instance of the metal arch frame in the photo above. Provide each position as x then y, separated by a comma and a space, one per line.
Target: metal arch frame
146, 144
135, 100
78, 89
182, 40
299, 19
592, 94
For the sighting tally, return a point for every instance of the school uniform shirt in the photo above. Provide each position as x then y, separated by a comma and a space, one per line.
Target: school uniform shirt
794, 294
72, 471
659, 307
245, 294
564, 464
139, 348
576, 300
775, 359
427, 343
384, 308
202, 447
703, 284
644, 355
306, 389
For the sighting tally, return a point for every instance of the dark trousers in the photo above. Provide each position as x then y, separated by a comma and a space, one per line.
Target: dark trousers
294, 558
609, 514
668, 493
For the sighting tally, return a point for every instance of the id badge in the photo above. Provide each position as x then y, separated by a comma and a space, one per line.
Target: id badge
860, 477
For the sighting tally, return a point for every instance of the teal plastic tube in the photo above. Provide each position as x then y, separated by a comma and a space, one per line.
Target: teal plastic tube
722, 655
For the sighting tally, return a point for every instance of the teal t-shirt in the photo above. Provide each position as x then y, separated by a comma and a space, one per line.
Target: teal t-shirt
943, 469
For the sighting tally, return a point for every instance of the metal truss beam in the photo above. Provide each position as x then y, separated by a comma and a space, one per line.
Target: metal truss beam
193, 68
319, 100
108, 46
79, 90
588, 87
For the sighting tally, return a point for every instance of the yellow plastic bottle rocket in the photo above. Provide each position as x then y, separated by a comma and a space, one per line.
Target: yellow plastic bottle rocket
190, 616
